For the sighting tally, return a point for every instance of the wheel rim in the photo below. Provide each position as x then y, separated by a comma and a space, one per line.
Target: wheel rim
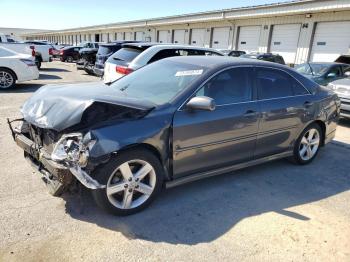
6, 79
309, 144
131, 184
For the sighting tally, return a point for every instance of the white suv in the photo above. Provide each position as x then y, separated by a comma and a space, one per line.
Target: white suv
133, 56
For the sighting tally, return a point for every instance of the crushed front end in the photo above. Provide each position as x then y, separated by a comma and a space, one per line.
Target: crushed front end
62, 159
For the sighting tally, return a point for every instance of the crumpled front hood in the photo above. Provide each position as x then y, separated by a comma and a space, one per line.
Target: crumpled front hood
58, 107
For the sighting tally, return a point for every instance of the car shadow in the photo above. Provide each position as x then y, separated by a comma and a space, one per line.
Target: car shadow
23, 88
54, 70
48, 77
205, 210
344, 122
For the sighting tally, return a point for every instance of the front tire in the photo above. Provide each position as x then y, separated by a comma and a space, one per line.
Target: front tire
7, 79
308, 145
133, 179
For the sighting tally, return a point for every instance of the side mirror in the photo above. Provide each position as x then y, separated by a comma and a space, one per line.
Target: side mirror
201, 103
347, 74
331, 75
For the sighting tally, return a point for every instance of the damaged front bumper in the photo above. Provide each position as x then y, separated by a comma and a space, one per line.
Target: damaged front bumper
58, 175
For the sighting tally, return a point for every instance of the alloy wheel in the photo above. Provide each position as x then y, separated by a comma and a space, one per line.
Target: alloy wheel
131, 184
309, 144
6, 79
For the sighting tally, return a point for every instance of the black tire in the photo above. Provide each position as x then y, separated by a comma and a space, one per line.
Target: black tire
296, 158
38, 64
10, 76
103, 174
69, 59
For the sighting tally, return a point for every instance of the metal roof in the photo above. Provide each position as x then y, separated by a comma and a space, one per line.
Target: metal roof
281, 8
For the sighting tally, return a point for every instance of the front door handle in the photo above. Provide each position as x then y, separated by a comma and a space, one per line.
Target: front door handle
250, 113
308, 104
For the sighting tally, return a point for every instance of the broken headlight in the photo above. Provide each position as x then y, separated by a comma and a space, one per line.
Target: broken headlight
73, 148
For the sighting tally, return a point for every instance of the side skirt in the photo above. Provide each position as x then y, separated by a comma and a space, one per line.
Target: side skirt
198, 176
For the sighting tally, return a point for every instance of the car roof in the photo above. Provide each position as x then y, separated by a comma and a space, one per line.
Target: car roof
223, 61
326, 63
167, 46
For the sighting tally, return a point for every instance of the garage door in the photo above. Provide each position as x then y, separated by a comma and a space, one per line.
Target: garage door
179, 37
139, 36
249, 37
221, 38
331, 40
104, 37
129, 36
163, 36
285, 41
198, 37
119, 36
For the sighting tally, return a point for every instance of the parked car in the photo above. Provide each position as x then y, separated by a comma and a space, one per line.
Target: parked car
15, 67
21, 48
233, 53
342, 89
269, 57
87, 59
70, 54
56, 50
43, 51
323, 73
134, 56
174, 121
104, 52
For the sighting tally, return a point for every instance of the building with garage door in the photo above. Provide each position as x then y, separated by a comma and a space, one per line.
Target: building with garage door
300, 31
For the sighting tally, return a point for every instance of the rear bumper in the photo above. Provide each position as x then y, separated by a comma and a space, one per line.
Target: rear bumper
98, 71
345, 106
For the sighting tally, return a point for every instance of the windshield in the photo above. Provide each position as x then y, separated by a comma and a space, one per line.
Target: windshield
159, 82
312, 69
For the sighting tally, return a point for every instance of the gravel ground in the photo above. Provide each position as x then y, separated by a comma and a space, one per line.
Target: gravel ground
272, 212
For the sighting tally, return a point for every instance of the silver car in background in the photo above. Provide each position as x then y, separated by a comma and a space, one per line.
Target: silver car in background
342, 89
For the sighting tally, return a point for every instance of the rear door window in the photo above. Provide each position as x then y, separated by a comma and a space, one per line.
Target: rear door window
273, 83
127, 54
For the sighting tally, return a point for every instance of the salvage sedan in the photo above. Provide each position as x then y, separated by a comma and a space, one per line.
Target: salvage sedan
174, 121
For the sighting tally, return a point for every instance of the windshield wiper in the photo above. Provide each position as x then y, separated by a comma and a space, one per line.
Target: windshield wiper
312, 71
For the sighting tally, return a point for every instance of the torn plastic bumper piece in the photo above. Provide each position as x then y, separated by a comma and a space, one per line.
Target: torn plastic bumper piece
53, 167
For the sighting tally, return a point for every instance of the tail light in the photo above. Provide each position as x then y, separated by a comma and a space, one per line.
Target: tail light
33, 50
123, 70
61, 52
50, 51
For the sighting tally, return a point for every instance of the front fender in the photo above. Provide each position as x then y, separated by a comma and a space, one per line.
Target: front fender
153, 131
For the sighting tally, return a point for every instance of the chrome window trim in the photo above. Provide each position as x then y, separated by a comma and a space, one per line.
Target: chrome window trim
180, 108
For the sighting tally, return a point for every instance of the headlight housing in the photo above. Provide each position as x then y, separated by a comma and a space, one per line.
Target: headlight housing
73, 148
332, 86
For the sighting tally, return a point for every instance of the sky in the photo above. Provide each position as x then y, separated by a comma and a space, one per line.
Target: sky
62, 14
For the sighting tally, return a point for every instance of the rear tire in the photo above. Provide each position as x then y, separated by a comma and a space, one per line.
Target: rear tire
133, 179
7, 78
307, 145
69, 59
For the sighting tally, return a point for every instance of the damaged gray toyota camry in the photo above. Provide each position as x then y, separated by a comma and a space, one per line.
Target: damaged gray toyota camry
174, 121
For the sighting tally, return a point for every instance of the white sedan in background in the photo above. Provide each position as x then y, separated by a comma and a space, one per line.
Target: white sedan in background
15, 67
